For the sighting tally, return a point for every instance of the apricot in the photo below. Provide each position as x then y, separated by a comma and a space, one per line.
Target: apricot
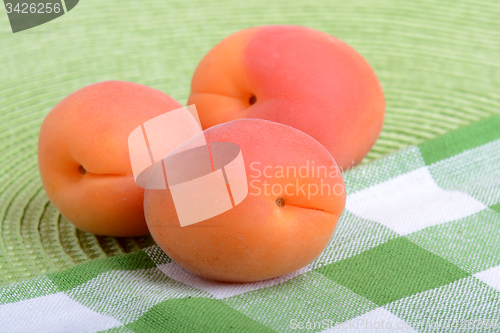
83, 155
296, 76
295, 196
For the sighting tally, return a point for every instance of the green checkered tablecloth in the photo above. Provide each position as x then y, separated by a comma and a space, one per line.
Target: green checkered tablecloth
417, 249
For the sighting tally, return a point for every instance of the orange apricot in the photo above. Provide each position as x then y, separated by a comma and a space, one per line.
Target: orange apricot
84, 158
295, 195
296, 76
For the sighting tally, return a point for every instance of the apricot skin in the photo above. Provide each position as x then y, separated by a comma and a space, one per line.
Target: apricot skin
295, 76
84, 160
266, 235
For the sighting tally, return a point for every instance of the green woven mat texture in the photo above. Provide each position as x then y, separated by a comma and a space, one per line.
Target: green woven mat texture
438, 62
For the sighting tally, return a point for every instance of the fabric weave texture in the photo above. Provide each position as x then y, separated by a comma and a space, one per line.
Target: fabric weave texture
416, 250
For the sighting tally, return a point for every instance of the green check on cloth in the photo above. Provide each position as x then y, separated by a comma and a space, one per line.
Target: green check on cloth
417, 249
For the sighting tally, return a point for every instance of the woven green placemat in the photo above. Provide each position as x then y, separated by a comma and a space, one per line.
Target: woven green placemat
437, 62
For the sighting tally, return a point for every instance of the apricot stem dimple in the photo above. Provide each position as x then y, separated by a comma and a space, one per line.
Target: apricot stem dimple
280, 202
252, 100
82, 170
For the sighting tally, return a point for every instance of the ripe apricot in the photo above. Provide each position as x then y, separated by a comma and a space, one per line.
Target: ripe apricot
84, 159
295, 76
295, 197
